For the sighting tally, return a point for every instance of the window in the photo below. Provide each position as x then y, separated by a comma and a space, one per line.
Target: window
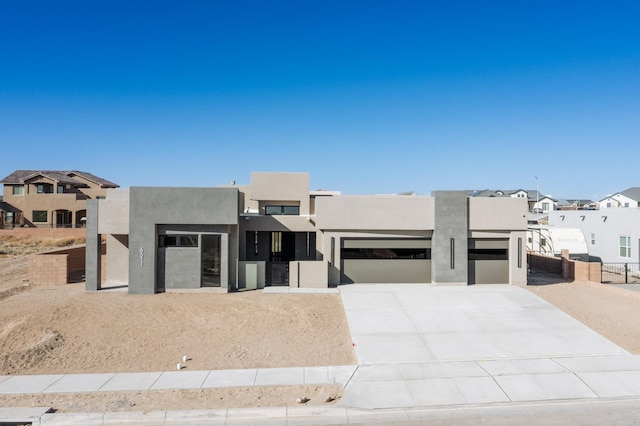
282, 210
386, 253
625, 246
40, 216
376, 249
626, 204
545, 206
44, 188
182, 240
488, 254
18, 190
543, 242
593, 239
60, 189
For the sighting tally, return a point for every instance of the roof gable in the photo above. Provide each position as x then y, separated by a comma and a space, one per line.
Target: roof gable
20, 177
633, 193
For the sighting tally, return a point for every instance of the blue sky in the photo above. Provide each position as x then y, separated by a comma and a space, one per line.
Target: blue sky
366, 96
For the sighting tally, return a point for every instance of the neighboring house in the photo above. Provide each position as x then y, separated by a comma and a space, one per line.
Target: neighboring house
47, 198
576, 204
612, 235
544, 205
275, 231
625, 199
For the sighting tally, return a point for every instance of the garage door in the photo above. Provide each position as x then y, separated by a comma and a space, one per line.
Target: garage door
488, 261
368, 260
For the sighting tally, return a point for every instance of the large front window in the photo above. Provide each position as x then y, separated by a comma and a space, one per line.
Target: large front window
625, 246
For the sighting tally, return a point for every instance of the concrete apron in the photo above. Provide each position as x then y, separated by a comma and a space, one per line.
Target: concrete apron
430, 346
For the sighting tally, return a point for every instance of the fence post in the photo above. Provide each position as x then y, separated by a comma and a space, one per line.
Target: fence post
626, 278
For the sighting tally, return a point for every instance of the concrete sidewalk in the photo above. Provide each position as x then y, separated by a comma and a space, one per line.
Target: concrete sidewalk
184, 379
459, 354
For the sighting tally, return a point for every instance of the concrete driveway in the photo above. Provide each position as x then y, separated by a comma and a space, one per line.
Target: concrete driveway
425, 345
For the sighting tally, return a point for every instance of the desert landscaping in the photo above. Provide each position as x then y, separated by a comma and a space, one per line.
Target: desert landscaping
49, 329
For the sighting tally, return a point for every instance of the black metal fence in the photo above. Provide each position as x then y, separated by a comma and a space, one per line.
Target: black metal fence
620, 273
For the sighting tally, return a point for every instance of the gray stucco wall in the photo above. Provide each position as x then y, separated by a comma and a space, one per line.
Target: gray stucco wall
451, 223
152, 206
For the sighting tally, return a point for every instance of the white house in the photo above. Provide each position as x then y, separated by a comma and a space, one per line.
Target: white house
545, 205
612, 235
625, 199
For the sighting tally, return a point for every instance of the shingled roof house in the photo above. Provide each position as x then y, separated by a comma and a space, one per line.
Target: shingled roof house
49, 198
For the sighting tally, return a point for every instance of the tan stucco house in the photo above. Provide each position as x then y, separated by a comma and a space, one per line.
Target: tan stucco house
49, 198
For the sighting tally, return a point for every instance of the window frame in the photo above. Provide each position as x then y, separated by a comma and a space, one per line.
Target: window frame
178, 240
44, 188
624, 246
36, 214
17, 190
281, 210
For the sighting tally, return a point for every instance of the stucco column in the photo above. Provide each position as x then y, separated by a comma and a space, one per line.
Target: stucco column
93, 254
449, 252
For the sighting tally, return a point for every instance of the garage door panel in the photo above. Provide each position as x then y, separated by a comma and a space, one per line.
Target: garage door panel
386, 271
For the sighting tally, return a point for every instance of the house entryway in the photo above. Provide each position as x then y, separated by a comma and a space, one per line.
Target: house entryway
282, 251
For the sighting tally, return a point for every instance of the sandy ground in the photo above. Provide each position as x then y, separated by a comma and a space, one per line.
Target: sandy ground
63, 329
611, 310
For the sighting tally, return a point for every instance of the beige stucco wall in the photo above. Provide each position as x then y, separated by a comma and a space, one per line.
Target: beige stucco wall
117, 259
378, 212
309, 274
281, 223
281, 187
113, 212
487, 213
518, 274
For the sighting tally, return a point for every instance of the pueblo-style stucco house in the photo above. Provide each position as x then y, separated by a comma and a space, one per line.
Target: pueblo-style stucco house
276, 232
48, 198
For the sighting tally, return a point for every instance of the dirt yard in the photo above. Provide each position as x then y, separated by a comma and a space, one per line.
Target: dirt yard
62, 329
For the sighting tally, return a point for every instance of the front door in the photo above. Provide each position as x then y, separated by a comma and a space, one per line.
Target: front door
210, 260
282, 251
63, 218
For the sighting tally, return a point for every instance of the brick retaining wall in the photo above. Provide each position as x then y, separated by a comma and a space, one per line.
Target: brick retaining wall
58, 266
570, 270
